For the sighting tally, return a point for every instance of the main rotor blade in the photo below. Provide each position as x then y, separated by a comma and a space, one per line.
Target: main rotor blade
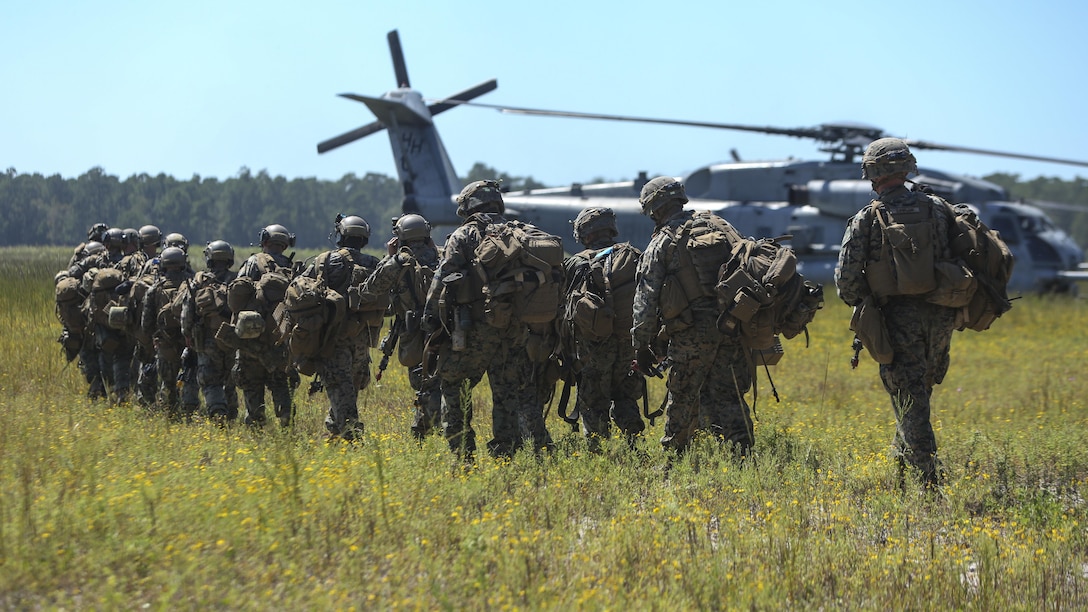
348, 137
399, 68
460, 98
922, 144
798, 132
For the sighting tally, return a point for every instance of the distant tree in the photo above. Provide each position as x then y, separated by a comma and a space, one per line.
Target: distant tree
481, 171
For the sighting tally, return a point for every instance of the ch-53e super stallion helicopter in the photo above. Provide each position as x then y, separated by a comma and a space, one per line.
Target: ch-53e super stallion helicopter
808, 200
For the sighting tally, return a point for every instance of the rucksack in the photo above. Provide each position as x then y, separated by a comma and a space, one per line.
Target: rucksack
102, 295
906, 261
310, 317
68, 298
761, 295
989, 259
699, 248
521, 269
601, 295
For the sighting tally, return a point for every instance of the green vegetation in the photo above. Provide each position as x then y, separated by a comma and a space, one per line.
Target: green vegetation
51, 210
110, 508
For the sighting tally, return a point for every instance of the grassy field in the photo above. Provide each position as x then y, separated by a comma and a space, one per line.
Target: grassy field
109, 508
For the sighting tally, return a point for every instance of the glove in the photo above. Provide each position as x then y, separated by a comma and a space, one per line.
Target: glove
646, 360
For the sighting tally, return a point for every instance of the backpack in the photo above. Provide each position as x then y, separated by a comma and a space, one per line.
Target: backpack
699, 247
601, 295
168, 315
906, 262
989, 259
521, 269
102, 297
417, 280
308, 320
68, 297
761, 295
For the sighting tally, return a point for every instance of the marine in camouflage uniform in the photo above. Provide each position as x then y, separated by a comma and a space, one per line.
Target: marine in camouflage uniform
160, 320
709, 375
607, 389
492, 348
404, 276
204, 309
88, 256
920, 332
263, 364
346, 371
115, 349
142, 272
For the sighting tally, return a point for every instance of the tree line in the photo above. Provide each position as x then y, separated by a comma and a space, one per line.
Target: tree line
52, 210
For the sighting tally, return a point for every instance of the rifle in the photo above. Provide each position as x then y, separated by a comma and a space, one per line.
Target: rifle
187, 373
657, 371
389, 344
856, 345
316, 386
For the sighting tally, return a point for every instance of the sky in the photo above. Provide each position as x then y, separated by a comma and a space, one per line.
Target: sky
211, 87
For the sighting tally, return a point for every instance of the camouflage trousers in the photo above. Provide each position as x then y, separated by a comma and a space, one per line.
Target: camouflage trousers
90, 364
114, 361
607, 389
176, 398
253, 377
345, 373
427, 415
707, 382
213, 375
516, 413
145, 374
921, 336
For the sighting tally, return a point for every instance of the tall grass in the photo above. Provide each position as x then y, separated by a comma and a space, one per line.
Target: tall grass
110, 508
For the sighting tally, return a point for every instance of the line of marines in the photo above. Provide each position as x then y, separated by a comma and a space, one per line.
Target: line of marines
147, 328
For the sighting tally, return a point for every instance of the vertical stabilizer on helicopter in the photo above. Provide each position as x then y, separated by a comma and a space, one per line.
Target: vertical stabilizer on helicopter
423, 166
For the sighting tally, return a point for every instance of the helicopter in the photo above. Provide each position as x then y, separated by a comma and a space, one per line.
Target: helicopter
805, 203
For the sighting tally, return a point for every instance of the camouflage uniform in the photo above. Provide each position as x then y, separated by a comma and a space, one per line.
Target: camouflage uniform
920, 332
498, 352
346, 371
90, 358
263, 364
710, 374
607, 388
114, 349
160, 321
214, 361
397, 275
143, 357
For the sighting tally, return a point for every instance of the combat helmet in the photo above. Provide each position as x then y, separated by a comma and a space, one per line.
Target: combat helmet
660, 191
885, 157
172, 258
97, 232
592, 220
218, 251
130, 237
115, 238
352, 226
411, 228
276, 234
175, 239
150, 236
480, 196
93, 247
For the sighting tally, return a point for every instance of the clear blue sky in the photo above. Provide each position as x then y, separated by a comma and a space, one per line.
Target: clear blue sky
207, 87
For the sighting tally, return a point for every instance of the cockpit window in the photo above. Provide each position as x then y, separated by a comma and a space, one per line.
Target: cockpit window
1007, 227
